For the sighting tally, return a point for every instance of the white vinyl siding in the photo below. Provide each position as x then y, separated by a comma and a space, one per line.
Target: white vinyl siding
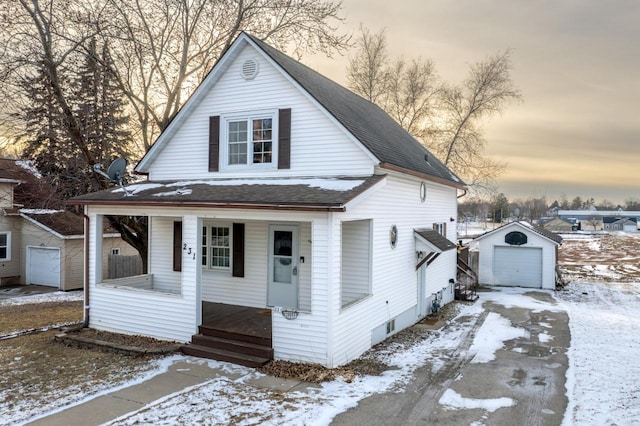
394, 276
251, 290
165, 279
356, 261
318, 146
150, 313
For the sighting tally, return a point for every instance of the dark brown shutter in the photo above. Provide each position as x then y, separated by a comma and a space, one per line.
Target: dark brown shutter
177, 246
284, 138
214, 143
238, 250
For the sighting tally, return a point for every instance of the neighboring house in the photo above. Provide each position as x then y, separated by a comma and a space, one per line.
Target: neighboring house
276, 189
626, 224
560, 225
39, 246
518, 254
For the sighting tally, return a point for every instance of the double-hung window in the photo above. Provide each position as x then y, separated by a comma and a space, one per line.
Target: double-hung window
250, 141
5, 245
440, 228
216, 247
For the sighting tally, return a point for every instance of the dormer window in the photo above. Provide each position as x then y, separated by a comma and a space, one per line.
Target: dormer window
256, 140
250, 141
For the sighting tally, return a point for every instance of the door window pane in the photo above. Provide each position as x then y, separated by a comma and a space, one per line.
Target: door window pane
282, 260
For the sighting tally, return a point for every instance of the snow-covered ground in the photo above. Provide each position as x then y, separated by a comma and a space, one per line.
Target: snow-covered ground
603, 379
603, 383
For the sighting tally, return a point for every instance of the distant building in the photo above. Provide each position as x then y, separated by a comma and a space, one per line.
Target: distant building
560, 225
620, 224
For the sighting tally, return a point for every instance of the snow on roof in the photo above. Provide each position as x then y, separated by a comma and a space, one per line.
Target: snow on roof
332, 184
29, 166
40, 211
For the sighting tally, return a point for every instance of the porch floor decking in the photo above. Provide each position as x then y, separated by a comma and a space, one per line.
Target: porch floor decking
237, 319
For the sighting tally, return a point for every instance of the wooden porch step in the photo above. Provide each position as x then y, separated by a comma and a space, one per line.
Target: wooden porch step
215, 332
222, 355
233, 345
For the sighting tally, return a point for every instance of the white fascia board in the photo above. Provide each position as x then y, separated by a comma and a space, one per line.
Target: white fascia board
313, 100
196, 98
366, 194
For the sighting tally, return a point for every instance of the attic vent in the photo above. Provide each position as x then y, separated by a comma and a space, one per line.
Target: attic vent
249, 69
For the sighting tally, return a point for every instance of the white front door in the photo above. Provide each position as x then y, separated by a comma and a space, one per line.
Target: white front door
282, 290
422, 301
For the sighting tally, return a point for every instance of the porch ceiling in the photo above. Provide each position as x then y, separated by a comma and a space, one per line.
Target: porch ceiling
330, 194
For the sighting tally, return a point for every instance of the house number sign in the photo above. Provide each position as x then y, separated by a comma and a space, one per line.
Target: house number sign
189, 251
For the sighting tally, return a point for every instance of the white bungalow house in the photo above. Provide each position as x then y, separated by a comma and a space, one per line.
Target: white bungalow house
280, 204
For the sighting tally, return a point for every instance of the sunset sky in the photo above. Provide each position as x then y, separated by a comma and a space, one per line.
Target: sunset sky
576, 62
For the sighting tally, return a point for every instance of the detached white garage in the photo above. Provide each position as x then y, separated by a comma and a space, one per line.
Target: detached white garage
518, 254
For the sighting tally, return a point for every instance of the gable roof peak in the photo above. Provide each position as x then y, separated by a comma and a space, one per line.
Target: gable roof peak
388, 143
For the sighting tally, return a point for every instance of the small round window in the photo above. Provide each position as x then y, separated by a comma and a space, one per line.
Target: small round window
423, 192
393, 236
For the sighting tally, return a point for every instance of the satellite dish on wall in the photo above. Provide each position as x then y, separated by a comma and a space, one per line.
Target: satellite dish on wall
115, 172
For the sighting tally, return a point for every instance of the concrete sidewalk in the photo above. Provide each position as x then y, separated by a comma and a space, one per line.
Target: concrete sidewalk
181, 374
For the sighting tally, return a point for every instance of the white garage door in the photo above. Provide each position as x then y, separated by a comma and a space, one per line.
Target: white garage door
517, 266
44, 266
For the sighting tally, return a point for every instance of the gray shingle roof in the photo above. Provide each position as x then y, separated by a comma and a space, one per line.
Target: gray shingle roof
436, 239
373, 127
535, 228
312, 194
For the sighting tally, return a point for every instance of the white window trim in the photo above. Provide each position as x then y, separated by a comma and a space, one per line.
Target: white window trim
208, 266
224, 140
440, 228
8, 256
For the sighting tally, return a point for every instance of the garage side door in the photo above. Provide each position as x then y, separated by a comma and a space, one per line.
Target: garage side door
44, 266
517, 266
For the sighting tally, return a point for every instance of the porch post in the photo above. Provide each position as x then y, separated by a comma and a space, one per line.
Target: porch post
191, 270
95, 258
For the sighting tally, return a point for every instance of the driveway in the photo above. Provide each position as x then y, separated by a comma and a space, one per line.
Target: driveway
510, 369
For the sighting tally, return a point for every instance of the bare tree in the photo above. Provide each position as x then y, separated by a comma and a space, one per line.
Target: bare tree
595, 221
446, 118
367, 72
161, 50
461, 141
165, 48
412, 95
407, 91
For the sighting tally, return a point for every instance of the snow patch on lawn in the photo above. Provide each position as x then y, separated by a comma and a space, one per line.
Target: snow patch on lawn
57, 296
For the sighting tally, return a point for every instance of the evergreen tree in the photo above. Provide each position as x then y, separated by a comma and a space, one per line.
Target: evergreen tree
43, 125
98, 107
